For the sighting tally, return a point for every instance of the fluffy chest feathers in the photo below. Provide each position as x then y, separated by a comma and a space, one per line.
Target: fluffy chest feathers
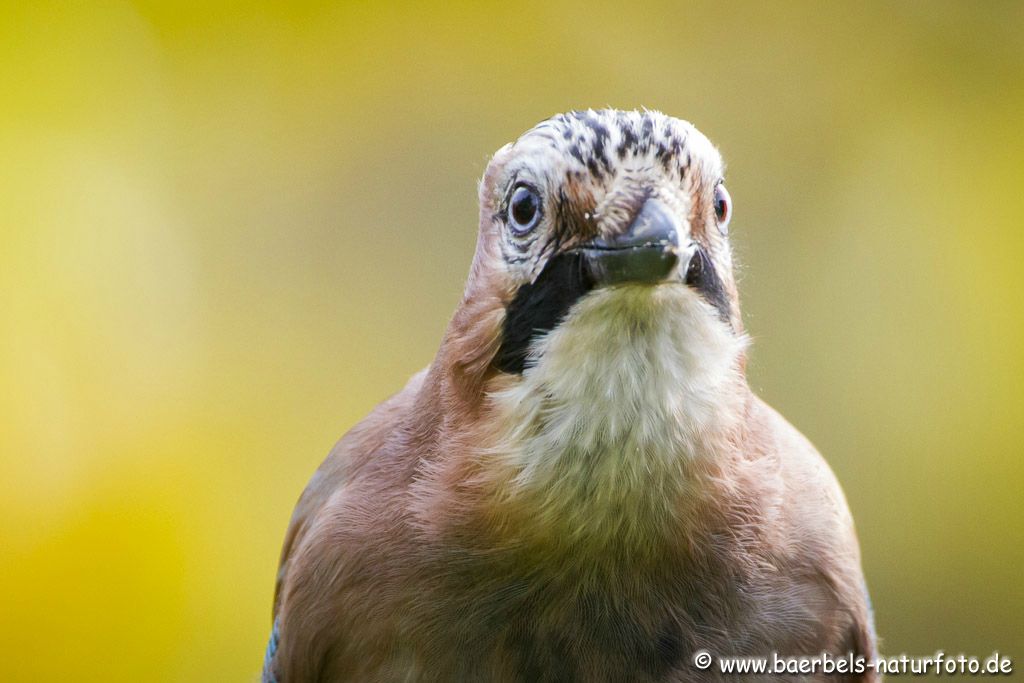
626, 402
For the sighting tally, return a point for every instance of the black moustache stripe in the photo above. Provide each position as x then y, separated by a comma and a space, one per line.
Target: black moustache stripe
701, 275
538, 307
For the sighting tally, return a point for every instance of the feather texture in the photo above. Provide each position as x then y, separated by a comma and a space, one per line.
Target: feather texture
583, 491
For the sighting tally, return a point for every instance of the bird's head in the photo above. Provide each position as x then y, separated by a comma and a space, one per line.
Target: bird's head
625, 205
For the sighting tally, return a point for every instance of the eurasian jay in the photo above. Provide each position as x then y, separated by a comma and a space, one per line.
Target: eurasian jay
581, 486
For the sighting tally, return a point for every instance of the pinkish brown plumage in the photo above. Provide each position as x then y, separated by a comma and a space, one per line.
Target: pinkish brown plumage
581, 486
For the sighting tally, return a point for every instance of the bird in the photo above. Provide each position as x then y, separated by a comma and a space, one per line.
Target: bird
581, 486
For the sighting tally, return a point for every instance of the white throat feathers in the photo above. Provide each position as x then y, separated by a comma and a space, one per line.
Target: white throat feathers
623, 401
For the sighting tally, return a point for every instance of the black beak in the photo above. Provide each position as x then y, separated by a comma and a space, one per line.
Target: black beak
647, 252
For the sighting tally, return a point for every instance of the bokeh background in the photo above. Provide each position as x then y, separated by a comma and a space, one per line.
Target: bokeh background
226, 232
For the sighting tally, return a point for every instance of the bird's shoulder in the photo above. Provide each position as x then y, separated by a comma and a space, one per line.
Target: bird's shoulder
804, 480
351, 457
816, 542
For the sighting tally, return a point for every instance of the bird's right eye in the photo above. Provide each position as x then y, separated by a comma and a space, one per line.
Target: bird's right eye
723, 208
523, 210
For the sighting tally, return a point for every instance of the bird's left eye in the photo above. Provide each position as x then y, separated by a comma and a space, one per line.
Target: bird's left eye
723, 207
523, 210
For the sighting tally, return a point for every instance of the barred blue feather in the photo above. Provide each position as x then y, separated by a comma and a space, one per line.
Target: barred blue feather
268, 675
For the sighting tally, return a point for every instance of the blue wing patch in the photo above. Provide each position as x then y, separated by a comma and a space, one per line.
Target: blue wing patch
268, 674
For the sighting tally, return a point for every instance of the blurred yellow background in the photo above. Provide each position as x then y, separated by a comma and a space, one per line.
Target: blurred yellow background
226, 232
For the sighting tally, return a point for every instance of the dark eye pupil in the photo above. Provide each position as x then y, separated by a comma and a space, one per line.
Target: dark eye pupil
524, 208
720, 206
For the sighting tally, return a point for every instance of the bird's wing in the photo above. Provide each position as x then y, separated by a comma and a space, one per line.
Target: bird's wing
348, 454
820, 527
329, 477
343, 462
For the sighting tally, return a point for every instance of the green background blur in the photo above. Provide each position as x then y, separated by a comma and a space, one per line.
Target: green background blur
228, 232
